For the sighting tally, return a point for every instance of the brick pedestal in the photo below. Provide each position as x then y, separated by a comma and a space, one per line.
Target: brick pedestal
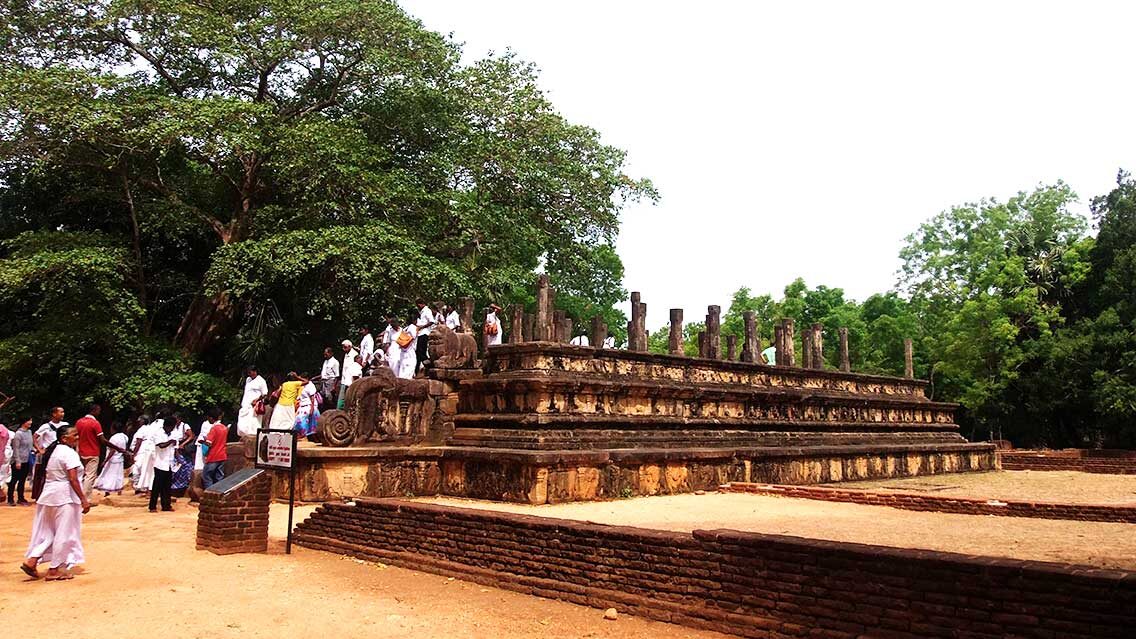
234, 514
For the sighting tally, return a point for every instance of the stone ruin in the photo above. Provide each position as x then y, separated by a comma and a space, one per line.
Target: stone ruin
537, 420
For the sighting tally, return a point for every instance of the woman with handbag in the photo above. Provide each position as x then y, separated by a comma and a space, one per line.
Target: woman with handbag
403, 356
287, 396
60, 506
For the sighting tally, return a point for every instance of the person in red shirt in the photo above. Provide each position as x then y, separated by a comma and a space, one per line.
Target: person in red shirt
216, 456
91, 441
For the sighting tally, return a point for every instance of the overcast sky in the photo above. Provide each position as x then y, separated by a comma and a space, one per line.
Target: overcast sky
843, 124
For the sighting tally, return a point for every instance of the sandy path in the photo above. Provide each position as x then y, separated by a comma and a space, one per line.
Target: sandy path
1023, 485
145, 579
1098, 544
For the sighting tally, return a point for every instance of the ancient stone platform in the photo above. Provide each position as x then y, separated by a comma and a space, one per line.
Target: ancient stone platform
546, 422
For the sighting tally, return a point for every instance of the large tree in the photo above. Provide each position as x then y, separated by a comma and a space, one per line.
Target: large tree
316, 162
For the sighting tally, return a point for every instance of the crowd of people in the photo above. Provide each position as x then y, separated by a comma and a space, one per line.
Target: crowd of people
160, 455
402, 346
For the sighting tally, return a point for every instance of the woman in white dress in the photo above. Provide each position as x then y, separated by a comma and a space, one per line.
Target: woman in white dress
113, 476
403, 360
143, 448
60, 506
492, 326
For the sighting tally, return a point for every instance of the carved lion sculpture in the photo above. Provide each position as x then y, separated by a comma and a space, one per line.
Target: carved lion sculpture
452, 350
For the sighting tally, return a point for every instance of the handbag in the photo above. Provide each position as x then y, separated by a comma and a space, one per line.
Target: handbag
404, 339
491, 328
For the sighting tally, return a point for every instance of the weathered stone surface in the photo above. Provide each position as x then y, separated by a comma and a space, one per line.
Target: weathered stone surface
675, 342
845, 362
751, 344
713, 332
908, 360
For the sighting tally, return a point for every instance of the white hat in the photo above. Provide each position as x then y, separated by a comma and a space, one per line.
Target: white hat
346, 342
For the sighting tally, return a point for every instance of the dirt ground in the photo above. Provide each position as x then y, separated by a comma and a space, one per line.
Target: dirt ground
1106, 545
144, 578
1021, 485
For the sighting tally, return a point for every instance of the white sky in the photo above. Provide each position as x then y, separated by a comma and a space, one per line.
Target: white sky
848, 122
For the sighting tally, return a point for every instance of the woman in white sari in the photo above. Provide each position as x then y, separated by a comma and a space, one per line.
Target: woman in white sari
403, 360
60, 506
307, 409
143, 448
112, 477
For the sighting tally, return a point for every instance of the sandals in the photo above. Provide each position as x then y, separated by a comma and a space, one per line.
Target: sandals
29, 571
59, 576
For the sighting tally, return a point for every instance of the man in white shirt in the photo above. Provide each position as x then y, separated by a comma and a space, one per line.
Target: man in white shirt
453, 320
45, 434
165, 443
352, 370
580, 340
248, 422
329, 376
366, 348
424, 324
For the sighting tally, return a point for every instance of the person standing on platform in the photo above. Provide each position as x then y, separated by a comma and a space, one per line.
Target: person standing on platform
403, 356
91, 442
492, 326
60, 505
769, 356
366, 349
248, 421
580, 340
453, 320
423, 325
165, 443
284, 416
352, 370
329, 376
307, 409
386, 338
22, 455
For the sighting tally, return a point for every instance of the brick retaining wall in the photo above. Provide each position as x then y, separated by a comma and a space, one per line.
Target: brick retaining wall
1077, 460
747, 584
942, 504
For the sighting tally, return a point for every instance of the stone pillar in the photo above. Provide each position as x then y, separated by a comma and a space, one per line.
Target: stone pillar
732, 347
633, 325
751, 344
779, 344
806, 348
543, 320
674, 344
713, 332
530, 327
465, 314
233, 516
702, 343
599, 332
908, 360
790, 346
845, 362
517, 325
567, 327
558, 318
817, 344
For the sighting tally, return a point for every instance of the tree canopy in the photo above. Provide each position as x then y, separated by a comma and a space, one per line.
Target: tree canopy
245, 173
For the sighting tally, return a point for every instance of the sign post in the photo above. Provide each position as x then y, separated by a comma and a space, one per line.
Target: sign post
276, 450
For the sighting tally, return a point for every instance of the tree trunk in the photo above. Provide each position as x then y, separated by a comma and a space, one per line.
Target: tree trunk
208, 319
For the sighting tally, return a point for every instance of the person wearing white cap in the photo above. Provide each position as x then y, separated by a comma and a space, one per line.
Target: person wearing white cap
352, 370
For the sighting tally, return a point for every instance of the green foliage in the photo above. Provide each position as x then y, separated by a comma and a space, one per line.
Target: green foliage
273, 174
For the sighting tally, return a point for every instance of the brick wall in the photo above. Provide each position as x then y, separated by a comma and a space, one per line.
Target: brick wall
233, 516
747, 584
941, 504
1067, 460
